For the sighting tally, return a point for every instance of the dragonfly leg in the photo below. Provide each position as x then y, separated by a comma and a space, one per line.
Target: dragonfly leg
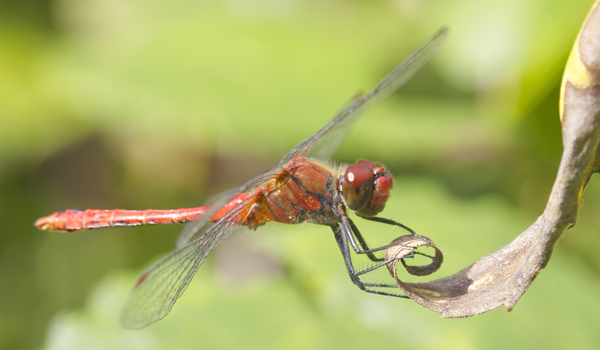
394, 223
381, 285
351, 229
389, 222
342, 241
362, 242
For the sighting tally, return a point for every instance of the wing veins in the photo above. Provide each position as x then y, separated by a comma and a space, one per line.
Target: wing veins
185, 263
387, 87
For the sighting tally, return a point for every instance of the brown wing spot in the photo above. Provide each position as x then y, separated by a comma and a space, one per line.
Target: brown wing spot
142, 279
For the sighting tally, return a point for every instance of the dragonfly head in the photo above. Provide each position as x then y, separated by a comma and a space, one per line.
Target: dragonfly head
366, 187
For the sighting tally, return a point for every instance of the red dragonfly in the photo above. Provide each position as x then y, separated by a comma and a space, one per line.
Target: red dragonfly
300, 189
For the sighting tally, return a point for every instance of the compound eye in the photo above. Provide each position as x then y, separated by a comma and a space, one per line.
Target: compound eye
358, 186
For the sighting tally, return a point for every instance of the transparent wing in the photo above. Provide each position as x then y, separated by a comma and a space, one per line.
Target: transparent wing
212, 206
193, 228
331, 135
334, 132
158, 288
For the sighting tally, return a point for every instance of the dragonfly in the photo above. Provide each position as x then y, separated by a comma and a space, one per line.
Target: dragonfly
304, 187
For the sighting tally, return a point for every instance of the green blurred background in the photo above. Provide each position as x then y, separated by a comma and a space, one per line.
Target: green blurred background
159, 104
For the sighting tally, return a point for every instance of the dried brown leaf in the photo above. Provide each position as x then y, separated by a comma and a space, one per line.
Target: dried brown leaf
502, 277
406, 245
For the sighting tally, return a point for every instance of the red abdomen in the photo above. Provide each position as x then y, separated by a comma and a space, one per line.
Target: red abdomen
298, 193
